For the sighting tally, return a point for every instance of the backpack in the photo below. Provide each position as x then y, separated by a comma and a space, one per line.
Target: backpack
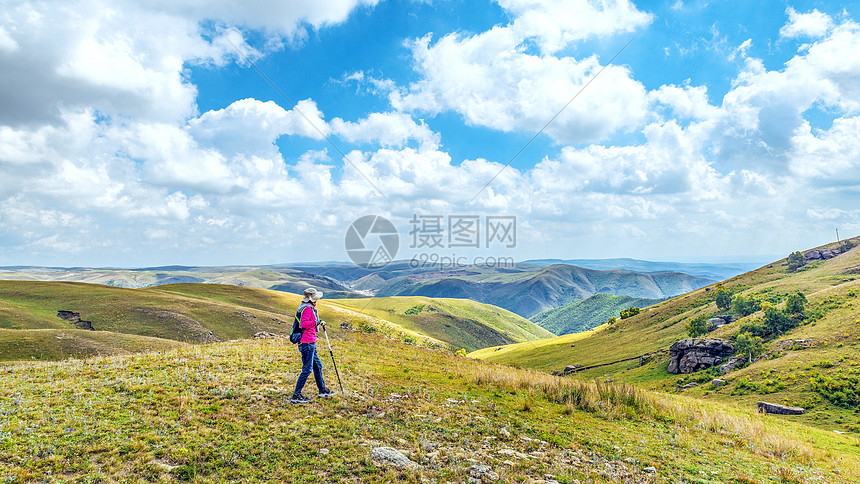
296, 335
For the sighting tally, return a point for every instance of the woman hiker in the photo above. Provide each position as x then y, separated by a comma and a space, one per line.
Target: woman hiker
309, 321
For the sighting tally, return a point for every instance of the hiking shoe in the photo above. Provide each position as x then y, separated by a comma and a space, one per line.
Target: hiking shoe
299, 399
326, 393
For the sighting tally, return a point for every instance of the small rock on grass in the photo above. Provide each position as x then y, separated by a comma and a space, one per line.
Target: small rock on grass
391, 457
483, 472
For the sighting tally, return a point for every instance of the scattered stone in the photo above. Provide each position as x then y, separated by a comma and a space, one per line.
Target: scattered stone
765, 407
609, 379
556, 373
391, 457
690, 355
650, 470
324, 451
717, 383
483, 472
569, 369
732, 364
644, 359
690, 385
261, 335
504, 432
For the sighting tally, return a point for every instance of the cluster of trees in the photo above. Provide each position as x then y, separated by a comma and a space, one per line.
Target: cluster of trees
629, 312
775, 321
624, 314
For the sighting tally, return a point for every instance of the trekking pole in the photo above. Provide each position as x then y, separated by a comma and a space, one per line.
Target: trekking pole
333, 362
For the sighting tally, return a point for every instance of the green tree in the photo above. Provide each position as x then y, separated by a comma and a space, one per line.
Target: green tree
796, 304
697, 326
724, 300
795, 261
749, 345
745, 305
776, 321
629, 312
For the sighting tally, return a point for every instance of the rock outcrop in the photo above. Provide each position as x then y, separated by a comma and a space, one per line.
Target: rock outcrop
690, 355
75, 318
764, 407
732, 364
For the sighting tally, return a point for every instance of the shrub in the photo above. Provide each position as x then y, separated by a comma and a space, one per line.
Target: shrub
795, 261
697, 326
612, 320
846, 245
776, 321
749, 345
753, 329
745, 305
461, 352
795, 304
724, 300
629, 312
415, 309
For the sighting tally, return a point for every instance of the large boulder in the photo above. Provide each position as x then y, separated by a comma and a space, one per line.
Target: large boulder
812, 255
690, 355
765, 407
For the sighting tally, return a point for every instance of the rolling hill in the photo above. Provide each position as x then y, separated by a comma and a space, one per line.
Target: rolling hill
105, 320
819, 373
265, 277
587, 313
528, 293
458, 322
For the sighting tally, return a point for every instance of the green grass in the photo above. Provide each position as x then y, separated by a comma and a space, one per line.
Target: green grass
459, 322
218, 412
833, 292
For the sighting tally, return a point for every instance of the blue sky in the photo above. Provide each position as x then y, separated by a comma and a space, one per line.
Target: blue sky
132, 134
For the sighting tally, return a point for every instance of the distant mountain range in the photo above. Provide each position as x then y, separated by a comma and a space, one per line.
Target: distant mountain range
525, 289
716, 271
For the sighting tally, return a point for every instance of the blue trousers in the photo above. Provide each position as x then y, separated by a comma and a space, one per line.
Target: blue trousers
310, 361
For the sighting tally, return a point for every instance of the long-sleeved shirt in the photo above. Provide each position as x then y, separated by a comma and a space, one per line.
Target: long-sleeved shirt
309, 325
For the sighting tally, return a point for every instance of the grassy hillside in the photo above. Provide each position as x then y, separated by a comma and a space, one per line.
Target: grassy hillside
528, 293
151, 318
219, 412
812, 377
587, 313
460, 322
159, 317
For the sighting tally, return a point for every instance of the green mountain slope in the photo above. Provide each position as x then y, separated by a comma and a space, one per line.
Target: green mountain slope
819, 375
459, 322
123, 320
587, 313
530, 292
220, 413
